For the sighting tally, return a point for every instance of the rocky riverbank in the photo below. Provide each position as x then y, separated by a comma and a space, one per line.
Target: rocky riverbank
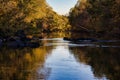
20, 40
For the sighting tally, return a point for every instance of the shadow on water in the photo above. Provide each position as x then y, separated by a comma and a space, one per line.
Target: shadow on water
58, 59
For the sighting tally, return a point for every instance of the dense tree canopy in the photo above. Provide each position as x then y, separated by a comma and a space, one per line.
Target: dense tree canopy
28, 15
96, 15
35, 16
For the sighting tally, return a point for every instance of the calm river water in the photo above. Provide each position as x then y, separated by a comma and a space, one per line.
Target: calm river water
58, 59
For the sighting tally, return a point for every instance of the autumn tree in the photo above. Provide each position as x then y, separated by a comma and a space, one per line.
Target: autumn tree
96, 15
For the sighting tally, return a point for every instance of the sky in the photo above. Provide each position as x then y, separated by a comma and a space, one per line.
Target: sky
62, 7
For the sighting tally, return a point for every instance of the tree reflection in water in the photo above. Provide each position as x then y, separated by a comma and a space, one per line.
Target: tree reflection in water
21, 64
104, 61
29, 64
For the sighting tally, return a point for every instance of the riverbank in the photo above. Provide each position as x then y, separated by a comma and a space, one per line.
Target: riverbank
20, 40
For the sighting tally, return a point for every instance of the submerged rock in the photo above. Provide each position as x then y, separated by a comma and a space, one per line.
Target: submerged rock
80, 39
32, 44
20, 40
16, 42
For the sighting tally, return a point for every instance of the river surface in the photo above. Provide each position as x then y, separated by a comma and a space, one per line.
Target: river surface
58, 59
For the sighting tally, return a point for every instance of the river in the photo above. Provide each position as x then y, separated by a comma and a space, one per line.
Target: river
58, 59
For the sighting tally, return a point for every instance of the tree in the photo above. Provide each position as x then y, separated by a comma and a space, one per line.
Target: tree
96, 15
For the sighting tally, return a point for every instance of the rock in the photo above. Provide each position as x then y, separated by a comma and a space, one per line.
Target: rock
80, 39
68, 39
87, 39
12, 44
20, 41
32, 44
21, 44
15, 42
11, 39
1, 42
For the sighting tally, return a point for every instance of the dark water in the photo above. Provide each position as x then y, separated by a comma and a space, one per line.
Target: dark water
57, 59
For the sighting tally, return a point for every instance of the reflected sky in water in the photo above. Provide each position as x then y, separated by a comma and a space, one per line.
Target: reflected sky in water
62, 65
57, 59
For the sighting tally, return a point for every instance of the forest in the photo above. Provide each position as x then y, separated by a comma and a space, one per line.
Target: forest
36, 16
97, 16
36, 43
32, 16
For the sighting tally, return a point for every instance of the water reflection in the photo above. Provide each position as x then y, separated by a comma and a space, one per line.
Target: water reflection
60, 60
64, 66
104, 61
21, 64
